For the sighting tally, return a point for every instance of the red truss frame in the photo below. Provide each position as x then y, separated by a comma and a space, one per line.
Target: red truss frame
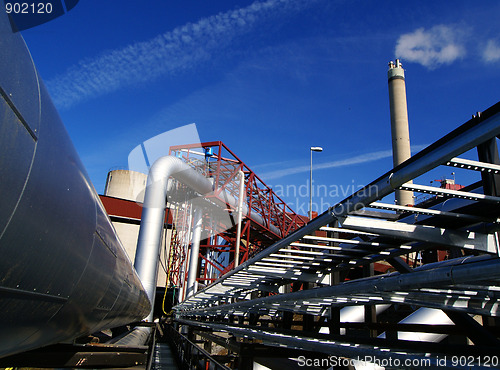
217, 161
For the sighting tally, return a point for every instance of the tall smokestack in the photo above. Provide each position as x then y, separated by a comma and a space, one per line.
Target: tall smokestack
399, 124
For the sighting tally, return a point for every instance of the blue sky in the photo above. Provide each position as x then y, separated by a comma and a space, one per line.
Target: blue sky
269, 79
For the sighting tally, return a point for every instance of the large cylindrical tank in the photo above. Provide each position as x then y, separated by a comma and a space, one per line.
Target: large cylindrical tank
63, 271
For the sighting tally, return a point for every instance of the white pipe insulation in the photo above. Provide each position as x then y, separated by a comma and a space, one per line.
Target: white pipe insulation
229, 199
240, 214
195, 250
153, 215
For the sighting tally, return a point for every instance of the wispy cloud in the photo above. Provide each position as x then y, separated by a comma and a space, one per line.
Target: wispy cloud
359, 159
492, 52
432, 47
173, 52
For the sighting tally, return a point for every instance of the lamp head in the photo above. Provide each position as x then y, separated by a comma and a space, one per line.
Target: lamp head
316, 149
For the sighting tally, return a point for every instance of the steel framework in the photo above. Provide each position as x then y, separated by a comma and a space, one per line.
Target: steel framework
441, 256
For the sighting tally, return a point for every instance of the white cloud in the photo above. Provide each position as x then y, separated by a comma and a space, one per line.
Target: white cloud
433, 47
169, 53
363, 158
492, 52
359, 159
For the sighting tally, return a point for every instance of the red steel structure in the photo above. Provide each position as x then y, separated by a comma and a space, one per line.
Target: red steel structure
217, 249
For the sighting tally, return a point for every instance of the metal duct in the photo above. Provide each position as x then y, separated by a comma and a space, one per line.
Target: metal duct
229, 199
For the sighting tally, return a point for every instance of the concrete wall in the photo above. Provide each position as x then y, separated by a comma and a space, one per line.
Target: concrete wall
126, 184
130, 185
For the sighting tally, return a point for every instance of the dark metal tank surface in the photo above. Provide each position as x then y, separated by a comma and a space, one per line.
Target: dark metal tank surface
63, 270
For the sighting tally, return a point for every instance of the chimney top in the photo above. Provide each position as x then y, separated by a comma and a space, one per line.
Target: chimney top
396, 64
395, 70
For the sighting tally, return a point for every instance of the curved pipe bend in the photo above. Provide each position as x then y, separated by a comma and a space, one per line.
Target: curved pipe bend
153, 215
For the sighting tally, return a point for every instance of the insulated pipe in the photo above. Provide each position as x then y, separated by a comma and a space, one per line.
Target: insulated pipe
137, 337
459, 271
240, 214
229, 199
195, 251
153, 215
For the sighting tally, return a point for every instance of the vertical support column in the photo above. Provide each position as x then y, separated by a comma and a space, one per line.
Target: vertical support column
311, 186
207, 346
334, 320
307, 319
195, 251
245, 359
240, 219
399, 124
183, 267
370, 310
488, 152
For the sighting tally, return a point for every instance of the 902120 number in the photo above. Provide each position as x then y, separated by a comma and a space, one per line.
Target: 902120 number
471, 361
28, 8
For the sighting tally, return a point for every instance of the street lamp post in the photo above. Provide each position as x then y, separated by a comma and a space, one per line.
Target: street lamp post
313, 149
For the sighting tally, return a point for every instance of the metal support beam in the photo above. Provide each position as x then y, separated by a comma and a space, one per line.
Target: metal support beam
348, 350
473, 165
475, 332
400, 265
429, 212
424, 233
488, 152
464, 138
451, 193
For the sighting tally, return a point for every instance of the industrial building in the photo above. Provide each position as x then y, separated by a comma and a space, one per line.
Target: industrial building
200, 265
